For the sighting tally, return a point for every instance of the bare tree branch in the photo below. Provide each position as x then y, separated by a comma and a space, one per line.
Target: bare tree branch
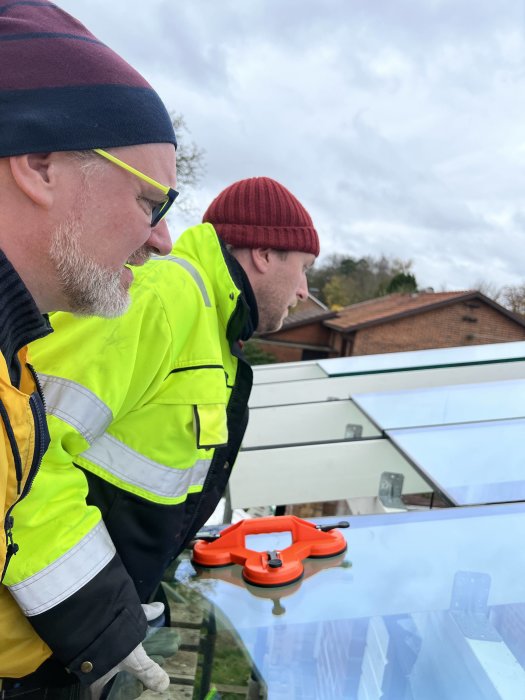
191, 165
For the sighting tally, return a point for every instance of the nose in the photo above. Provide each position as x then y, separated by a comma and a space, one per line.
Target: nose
302, 292
160, 238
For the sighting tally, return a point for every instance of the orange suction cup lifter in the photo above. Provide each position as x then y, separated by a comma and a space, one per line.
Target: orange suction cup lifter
271, 568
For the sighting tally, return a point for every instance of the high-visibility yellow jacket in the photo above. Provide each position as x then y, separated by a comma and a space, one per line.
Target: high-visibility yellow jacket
23, 440
146, 414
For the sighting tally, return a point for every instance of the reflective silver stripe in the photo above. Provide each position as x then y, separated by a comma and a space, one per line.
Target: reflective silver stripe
134, 469
66, 575
193, 272
76, 405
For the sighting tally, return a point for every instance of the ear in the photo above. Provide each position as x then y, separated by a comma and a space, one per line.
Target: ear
261, 258
34, 175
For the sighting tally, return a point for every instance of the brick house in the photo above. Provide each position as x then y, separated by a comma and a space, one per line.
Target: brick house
392, 323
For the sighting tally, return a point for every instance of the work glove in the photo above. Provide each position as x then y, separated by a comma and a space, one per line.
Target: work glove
138, 663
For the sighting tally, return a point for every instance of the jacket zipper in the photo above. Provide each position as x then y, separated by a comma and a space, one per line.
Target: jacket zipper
14, 447
8, 520
39, 451
38, 385
41, 433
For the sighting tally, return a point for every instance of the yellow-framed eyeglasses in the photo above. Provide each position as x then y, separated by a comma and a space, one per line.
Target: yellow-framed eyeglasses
160, 210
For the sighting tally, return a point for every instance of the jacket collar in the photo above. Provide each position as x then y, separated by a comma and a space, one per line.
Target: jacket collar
21, 322
248, 315
232, 294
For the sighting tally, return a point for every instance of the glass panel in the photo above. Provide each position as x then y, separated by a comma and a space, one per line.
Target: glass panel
446, 404
472, 463
287, 372
351, 469
392, 361
421, 606
305, 423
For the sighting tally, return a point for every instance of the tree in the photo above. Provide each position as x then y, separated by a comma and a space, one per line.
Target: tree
338, 292
190, 164
256, 356
513, 298
490, 290
403, 282
342, 281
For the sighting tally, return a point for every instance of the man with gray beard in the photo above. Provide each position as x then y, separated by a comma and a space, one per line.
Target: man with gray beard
147, 411
87, 171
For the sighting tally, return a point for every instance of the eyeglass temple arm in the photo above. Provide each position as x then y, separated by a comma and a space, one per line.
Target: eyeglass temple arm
131, 169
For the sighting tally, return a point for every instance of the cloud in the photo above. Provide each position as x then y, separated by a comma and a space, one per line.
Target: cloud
399, 125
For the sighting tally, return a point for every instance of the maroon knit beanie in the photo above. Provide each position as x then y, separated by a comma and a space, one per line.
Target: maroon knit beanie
61, 89
261, 213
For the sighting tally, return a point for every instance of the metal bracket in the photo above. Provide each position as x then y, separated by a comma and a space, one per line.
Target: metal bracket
353, 431
469, 608
390, 490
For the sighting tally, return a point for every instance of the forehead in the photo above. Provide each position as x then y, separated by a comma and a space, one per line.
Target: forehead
302, 258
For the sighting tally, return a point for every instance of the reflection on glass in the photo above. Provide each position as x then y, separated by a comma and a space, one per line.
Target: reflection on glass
273, 540
426, 607
423, 606
472, 463
419, 359
445, 404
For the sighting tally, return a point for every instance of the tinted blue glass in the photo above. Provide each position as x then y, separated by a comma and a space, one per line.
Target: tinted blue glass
421, 607
471, 463
419, 359
445, 404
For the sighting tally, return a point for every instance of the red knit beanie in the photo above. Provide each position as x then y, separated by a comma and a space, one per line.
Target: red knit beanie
261, 213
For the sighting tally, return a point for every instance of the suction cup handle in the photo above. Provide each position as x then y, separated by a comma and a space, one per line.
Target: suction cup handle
327, 528
206, 537
274, 561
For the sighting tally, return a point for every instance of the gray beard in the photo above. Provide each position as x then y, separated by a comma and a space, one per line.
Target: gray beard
89, 288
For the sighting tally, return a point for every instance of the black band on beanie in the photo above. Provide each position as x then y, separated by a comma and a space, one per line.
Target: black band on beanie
80, 118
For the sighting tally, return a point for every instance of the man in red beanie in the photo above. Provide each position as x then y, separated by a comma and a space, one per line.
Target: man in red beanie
147, 417
254, 217
87, 169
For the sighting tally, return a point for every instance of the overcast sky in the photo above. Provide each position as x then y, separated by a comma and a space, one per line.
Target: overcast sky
399, 124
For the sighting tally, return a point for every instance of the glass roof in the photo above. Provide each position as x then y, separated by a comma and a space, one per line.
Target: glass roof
445, 404
422, 606
341, 387
287, 372
307, 423
419, 359
470, 463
